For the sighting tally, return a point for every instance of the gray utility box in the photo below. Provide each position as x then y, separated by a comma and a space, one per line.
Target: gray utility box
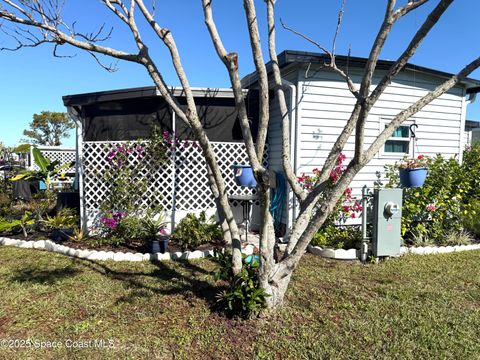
387, 222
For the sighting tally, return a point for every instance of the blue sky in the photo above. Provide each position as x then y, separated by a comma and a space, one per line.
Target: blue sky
32, 80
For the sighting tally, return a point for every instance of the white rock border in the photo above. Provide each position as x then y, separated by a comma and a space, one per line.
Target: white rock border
354, 254
110, 255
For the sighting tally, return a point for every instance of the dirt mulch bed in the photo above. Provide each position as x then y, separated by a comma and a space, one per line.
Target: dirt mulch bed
94, 243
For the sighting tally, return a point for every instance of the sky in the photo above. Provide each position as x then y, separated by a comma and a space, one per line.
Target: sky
33, 80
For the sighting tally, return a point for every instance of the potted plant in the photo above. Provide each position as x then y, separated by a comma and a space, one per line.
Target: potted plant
413, 172
62, 224
154, 230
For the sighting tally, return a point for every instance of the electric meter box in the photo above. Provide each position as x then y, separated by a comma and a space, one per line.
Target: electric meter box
387, 222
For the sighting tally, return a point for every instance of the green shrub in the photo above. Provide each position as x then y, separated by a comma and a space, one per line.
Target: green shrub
65, 218
244, 297
193, 231
24, 224
129, 228
442, 204
338, 237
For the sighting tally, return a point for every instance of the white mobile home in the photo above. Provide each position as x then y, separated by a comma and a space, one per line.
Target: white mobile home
323, 103
320, 104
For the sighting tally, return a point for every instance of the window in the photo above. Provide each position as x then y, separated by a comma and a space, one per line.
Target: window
399, 142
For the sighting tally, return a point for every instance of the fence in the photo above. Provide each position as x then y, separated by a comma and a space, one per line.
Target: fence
181, 185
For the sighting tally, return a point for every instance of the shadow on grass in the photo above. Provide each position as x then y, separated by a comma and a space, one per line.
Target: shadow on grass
46, 277
179, 278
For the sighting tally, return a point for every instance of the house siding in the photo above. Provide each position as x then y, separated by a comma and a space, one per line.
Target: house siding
326, 104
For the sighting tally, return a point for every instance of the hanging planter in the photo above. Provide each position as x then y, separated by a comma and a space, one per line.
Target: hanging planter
244, 175
411, 178
413, 172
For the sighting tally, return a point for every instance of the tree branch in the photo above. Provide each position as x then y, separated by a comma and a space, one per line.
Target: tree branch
412, 47
277, 79
332, 65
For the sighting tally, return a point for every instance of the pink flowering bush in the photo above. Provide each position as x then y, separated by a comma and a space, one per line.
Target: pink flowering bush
331, 235
348, 207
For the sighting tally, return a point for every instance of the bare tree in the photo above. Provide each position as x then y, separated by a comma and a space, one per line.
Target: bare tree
40, 22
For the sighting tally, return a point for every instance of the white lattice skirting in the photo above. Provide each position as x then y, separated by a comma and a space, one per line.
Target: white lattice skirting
179, 186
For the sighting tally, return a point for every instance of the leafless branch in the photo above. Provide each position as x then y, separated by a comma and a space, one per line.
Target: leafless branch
339, 22
412, 47
261, 70
55, 54
110, 68
277, 78
332, 65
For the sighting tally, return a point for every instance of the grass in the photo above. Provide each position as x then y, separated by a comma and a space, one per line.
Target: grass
415, 307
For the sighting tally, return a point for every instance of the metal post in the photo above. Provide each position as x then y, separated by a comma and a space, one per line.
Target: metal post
364, 247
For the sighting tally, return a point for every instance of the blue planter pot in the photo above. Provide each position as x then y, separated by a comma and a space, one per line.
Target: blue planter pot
244, 176
411, 178
159, 246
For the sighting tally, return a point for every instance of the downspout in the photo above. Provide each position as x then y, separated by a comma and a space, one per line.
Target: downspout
293, 149
74, 115
466, 102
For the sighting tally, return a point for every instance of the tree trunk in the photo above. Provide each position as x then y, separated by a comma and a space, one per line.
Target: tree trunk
276, 291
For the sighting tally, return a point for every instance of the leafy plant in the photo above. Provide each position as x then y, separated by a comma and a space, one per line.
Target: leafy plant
338, 237
193, 231
153, 224
419, 162
78, 235
447, 204
244, 297
24, 223
65, 218
48, 170
457, 237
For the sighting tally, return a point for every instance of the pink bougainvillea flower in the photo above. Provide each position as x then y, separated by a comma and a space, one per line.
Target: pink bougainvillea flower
431, 208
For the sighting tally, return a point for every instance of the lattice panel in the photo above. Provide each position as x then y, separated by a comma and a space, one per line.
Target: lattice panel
63, 156
159, 181
182, 182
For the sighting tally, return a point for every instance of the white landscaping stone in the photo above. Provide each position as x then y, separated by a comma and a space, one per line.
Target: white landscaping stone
49, 246
161, 257
418, 250
136, 257
119, 256
442, 250
404, 250
350, 254
328, 253
147, 257
93, 255
195, 255
11, 242
428, 250
62, 249
449, 249
110, 255
2, 241
25, 244
101, 255
83, 254
129, 256
39, 244
316, 250
71, 252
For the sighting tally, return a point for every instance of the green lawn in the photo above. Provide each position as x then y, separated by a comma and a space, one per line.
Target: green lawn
415, 307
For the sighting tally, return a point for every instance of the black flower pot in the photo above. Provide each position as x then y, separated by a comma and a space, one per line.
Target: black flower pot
61, 234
